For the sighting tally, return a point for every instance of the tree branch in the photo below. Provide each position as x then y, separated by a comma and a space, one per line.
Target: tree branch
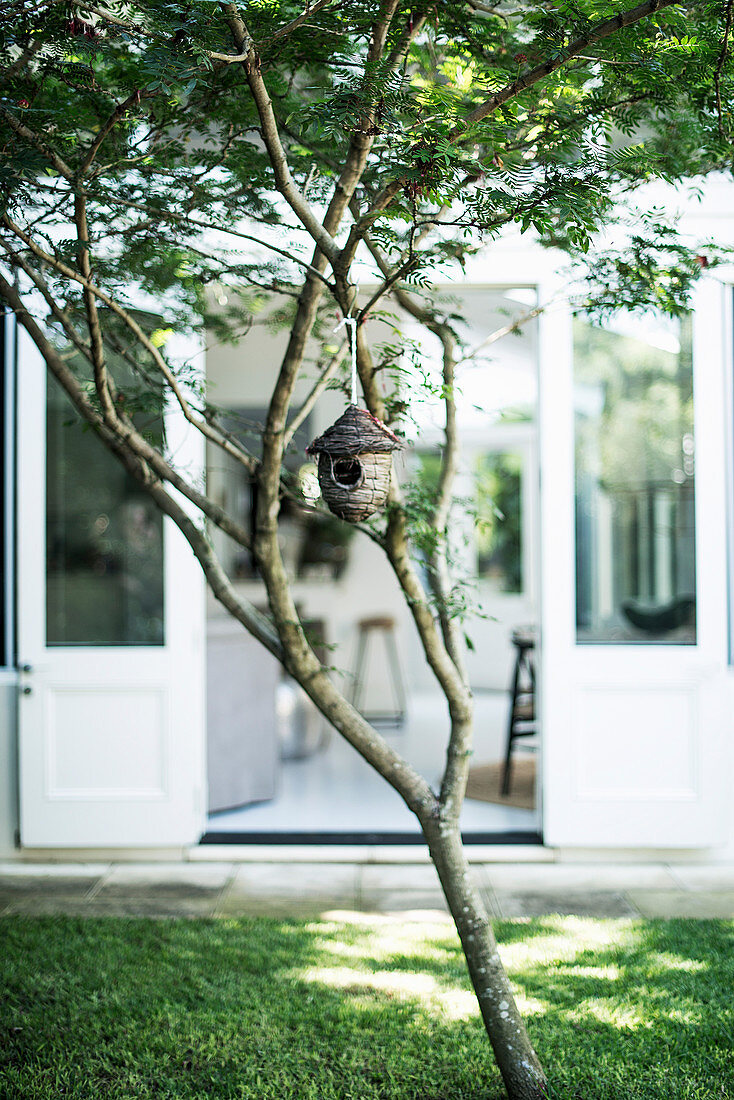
196, 421
318, 388
295, 23
540, 72
43, 288
108, 126
102, 383
33, 139
271, 137
20, 63
600, 31
201, 223
125, 448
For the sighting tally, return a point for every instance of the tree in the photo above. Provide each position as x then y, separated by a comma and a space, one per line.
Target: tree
144, 143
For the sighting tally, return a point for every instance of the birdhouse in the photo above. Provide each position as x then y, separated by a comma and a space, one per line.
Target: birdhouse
354, 464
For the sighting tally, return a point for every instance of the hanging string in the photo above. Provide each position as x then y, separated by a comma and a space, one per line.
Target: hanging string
351, 322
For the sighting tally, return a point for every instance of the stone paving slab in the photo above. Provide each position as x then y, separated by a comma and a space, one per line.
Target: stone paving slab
579, 877
566, 903
152, 907
703, 876
409, 891
171, 881
60, 889
411, 888
283, 890
702, 904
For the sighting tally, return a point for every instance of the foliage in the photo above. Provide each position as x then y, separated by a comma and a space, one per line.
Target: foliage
555, 158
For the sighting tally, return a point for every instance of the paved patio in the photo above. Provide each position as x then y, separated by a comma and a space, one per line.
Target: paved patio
310, 889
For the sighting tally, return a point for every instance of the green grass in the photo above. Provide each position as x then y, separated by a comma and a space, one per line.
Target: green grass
357, 1010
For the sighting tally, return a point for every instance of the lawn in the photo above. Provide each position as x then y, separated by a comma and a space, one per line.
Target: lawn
357, 1009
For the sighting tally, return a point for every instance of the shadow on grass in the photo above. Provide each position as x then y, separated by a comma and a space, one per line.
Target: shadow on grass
335, 1010
646, 1014
249, 1009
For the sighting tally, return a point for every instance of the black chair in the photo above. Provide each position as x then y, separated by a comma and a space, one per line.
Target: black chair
522, 721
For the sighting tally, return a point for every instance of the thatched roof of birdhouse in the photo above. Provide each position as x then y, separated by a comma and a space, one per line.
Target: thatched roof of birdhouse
355, 432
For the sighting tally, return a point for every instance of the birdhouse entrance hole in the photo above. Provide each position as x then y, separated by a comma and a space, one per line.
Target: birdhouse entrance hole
348, 472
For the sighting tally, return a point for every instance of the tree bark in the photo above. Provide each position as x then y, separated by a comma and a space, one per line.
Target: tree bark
518, 1063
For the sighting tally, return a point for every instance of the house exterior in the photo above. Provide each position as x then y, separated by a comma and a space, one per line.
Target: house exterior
613, 450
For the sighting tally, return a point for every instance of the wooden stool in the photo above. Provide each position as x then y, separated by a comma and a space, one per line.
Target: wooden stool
386, 625
522, 722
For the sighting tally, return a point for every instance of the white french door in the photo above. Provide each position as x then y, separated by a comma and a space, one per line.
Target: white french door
636, 727
110, 640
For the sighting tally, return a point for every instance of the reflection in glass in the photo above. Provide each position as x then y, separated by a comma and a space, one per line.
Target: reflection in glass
104, 540
635, 532
499, 521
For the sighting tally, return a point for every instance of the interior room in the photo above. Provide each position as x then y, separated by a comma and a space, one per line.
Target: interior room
275, 767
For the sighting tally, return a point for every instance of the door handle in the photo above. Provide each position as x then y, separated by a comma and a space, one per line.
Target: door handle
26, 668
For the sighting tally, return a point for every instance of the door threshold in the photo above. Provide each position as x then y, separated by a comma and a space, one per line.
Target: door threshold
392, 839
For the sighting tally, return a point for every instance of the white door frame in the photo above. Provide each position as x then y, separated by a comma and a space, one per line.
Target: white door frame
662, 709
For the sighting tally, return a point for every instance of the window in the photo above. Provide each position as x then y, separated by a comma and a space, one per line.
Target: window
635, 479
499, 521
104, 535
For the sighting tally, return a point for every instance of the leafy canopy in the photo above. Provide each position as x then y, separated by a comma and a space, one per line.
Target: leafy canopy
179, 153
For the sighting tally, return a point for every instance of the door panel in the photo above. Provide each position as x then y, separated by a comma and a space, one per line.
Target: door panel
112, 715
636, 733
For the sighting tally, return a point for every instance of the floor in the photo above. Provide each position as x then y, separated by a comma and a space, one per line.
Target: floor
405, 892
336, 791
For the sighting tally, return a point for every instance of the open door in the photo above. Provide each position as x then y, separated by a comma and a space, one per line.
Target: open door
110, 639
636, 726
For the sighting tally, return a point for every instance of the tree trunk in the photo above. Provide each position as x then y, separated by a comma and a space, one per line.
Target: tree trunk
518, 1063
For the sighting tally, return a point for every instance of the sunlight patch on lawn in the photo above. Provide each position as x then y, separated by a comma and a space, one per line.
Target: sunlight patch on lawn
530, 1006
606, 973
666, 961
623, 1017
385, 940
452, 1004
564, 939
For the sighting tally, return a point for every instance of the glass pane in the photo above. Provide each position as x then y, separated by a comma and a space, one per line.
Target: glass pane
635, 533
499, 521
104, 540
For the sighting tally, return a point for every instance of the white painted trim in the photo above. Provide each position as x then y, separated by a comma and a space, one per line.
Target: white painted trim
10, 354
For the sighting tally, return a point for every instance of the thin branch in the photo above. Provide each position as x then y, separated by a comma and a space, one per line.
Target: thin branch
394, 277
102, 383
533, 76
318, 388
122, 437
201, 223
20, 63
271, 137
228, 58
43, 288
135, 28
33, 139
246, 460
108, 126
540, 72
310, 10
505, 330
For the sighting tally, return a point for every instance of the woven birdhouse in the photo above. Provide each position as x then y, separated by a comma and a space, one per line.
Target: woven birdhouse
354, 464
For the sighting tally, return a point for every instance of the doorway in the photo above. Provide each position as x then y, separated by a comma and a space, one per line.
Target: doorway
277, 772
